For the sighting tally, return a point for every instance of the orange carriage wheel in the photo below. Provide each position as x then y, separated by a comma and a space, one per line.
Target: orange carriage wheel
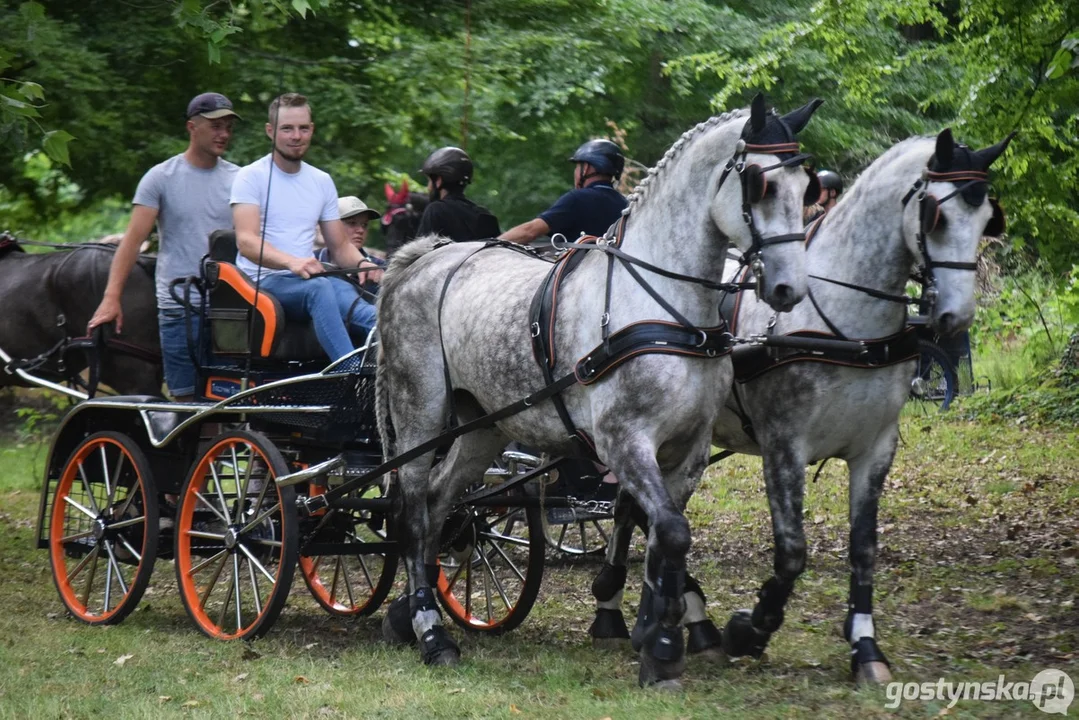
236, 537
491, 571
351, 582
103, 529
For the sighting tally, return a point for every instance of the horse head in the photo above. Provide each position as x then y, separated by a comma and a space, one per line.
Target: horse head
402, 217
943, 227
759, 199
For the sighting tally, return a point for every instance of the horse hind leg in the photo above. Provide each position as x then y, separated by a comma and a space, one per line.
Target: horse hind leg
867, 476
608, 629
748, 631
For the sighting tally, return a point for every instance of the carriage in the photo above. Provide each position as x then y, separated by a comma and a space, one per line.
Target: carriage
226, 486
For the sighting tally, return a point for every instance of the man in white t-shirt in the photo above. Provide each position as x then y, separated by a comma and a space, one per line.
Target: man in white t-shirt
187, 197
298, 197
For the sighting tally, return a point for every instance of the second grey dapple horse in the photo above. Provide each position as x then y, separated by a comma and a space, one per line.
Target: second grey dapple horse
923, 200
650, 419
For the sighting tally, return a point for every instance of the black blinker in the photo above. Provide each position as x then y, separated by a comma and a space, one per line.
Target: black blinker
813, 191
997, 224
930, 210
756, 183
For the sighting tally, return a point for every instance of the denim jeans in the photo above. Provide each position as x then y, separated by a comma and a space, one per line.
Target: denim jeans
327, 301
179, 372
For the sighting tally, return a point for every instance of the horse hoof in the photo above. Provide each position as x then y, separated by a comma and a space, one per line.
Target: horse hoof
705, 642
444, 658
397, 623
611, 644
438, 648
661, 676
608, 629
873, 673
740, 638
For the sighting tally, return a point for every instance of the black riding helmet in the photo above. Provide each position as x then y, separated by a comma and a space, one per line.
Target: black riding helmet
830, 181
603, 155
452, 164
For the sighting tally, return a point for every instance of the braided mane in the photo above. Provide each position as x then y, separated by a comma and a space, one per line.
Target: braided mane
638, 195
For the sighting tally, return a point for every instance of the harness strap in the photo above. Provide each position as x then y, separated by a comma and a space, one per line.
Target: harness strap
318, 502
651, 337
750, 362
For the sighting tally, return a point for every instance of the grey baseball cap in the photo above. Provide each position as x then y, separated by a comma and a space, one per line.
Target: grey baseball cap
210, 105
350, 206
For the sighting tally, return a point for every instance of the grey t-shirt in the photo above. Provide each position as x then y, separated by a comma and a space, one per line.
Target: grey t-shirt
191, 203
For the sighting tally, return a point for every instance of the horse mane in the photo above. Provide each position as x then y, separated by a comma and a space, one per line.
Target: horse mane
641, 191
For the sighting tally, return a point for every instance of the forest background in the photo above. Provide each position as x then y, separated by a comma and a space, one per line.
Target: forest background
92, 94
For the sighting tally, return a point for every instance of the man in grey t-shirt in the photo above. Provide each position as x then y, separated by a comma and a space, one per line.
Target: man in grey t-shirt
188, 197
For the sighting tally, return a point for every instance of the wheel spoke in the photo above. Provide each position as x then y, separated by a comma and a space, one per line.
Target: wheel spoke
220, 492
127, 523
225, 604
562, 535
206, 562
105, 473
108, 583
602, 532
134, 553
584, 537
89, 492
366, 573
236, 591
265, 541
90, 556
241, 490
76, 536
213, 581
348, 584
336, 577
453, 581
256, 563
468, 586
77, 506
116, 477
205, 535
508, 539
115, 566
498, 583
214, 510
506, 558
486, 586
254, 523
255, 587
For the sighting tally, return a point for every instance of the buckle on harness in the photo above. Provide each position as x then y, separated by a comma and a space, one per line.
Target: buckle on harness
535, 329
704, 339
605, 319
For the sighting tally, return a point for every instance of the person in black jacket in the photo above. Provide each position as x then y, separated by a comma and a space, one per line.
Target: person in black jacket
450, 213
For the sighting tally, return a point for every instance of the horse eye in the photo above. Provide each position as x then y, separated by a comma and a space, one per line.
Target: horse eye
770, 190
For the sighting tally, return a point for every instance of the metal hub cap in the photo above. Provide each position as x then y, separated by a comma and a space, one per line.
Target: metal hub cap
99, 528
231, 538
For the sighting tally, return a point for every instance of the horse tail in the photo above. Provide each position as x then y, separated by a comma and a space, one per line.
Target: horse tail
409, 253
382, 406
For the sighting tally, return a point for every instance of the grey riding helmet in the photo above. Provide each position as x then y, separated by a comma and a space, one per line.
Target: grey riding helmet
452, 164
830, 181
603, 155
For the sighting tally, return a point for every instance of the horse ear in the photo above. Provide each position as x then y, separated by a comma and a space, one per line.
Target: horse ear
997, 223
991, 153
758, 113
388, 189
796, 120
945, 148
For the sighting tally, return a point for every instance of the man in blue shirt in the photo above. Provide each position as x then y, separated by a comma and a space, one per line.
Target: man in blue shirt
591, 207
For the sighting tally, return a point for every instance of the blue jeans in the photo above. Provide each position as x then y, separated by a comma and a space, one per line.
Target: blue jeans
180, 374
327, 301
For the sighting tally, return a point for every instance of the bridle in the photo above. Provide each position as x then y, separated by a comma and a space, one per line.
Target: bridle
754, 181
929, 220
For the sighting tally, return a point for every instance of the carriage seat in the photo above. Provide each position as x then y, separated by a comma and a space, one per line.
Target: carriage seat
231, 297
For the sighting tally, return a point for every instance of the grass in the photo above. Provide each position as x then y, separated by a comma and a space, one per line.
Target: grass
976, 578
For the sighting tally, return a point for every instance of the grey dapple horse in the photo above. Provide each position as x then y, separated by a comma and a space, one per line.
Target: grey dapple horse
48, 297
922, 195
650, 419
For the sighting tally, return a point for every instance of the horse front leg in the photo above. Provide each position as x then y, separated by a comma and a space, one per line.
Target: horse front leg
867, 474
662, 645
748, 632
609, 629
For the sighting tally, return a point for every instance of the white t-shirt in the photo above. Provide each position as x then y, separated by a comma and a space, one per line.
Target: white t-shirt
298, 202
